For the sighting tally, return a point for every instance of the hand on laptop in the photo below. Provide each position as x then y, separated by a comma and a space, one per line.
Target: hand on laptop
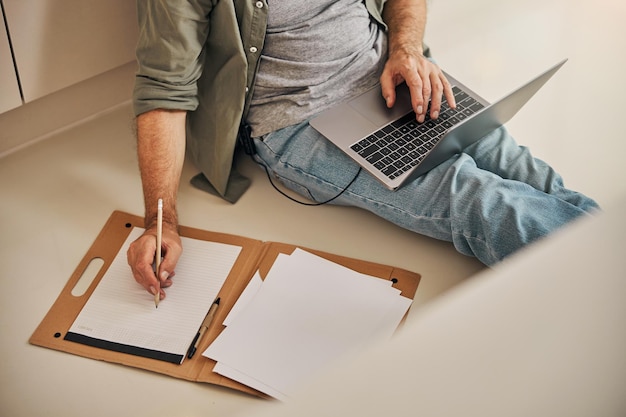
424, 78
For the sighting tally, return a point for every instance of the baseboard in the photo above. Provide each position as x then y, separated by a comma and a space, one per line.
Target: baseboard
40, 119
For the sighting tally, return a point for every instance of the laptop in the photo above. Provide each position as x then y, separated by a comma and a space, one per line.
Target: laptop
392, 146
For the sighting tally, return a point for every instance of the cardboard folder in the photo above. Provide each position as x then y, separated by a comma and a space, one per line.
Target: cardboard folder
255, 256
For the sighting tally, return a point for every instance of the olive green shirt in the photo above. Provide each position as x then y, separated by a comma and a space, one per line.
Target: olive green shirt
202, 56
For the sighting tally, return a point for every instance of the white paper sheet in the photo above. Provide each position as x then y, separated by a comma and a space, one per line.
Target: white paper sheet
225, 370
244, 299
121, 311
307, 313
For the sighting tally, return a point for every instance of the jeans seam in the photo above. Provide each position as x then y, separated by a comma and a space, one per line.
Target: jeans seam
369, 202
481, 240
366, 200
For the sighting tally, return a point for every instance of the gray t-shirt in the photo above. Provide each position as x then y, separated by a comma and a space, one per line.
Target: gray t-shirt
317, 53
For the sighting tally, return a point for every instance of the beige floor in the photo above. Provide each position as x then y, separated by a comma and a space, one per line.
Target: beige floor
57, 193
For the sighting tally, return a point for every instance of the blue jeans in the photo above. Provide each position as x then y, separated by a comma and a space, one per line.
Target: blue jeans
489, 201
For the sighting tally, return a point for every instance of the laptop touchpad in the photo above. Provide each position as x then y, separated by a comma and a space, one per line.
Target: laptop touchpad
372, 106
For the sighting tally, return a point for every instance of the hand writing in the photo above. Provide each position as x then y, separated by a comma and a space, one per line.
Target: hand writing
141, 255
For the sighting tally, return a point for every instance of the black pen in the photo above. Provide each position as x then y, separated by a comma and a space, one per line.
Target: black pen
203, 328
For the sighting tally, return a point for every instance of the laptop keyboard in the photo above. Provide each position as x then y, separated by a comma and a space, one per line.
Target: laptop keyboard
401, 145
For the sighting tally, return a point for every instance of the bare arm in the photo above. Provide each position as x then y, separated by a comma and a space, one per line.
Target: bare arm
406, 20
161, 152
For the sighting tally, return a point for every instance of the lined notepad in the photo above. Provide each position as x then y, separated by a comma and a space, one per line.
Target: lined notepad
306, 314
120, 314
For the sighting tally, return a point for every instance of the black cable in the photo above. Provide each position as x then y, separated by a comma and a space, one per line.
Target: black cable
246, 141
269, 177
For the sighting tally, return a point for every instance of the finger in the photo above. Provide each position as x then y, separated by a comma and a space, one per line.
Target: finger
427, 90
388, 88
140, 257
447, 91
164, 285
416, 89
436, 96
172, 252
144, 275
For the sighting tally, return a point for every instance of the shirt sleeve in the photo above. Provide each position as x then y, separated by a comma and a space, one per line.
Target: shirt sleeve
375, 8
170, 53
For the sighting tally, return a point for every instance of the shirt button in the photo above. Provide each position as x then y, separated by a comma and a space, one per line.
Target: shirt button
259, 4
253, 49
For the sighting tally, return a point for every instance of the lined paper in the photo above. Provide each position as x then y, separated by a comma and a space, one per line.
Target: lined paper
121, 312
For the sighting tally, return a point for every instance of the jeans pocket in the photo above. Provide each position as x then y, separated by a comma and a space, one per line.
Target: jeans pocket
294, 186
270, 141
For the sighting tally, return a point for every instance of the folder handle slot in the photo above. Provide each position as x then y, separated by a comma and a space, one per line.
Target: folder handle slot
87, 277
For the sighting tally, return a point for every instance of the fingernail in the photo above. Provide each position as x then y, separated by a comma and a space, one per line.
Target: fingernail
164, 275
153, 290
435, 114
420, 110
